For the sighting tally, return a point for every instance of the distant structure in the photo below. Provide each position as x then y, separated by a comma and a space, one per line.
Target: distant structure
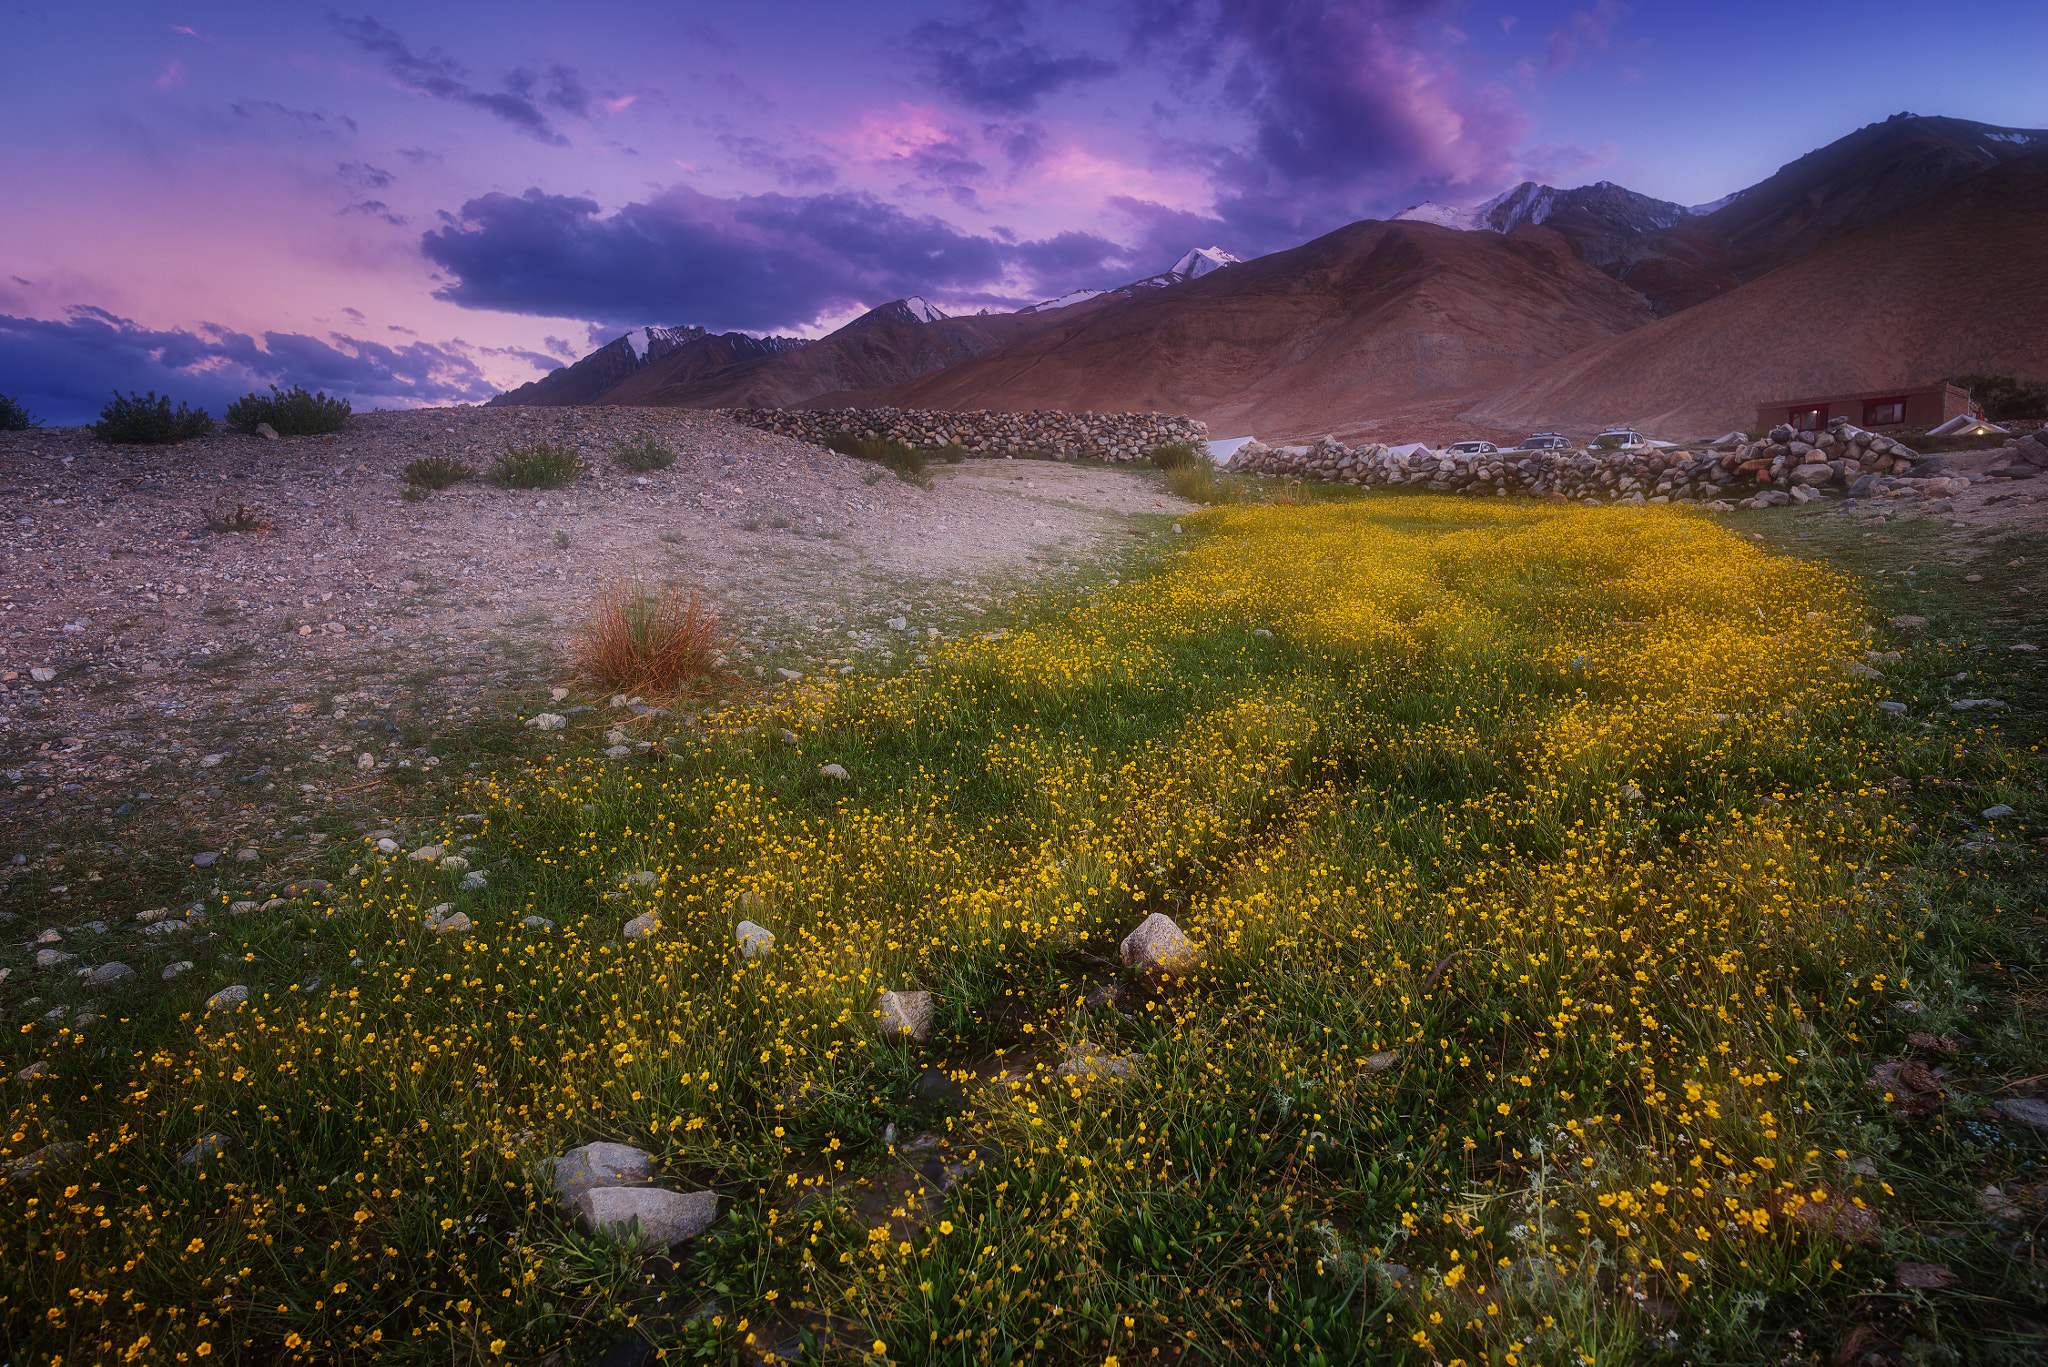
1927, 405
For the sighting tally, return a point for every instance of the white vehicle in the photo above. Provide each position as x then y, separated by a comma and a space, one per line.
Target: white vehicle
1620, 436
1472, 448
1544, 441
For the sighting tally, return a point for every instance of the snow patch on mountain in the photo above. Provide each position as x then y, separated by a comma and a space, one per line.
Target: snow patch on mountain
1443, 215
924, 311
1070, 297
1702, 210
1199, 261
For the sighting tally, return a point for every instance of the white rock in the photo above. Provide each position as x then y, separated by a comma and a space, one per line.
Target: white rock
32, 1072
472, 881
366, 760
898, 624
1896, 709
1158, 945
643, 927
106, 975
454, 925
455, 863
433, 914
754, 940
643, 878
182, 966
241, 908
904, 1015
387, 846
166, 928
41, 675
53, 958
831, 771
1993, 813
549, 721
558, 694
228, 998
617, 751
656, 1215
537, 923
789, 675
427, 854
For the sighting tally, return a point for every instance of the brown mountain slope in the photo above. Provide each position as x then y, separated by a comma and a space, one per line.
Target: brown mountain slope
882, 347
1365, 324
1956, 283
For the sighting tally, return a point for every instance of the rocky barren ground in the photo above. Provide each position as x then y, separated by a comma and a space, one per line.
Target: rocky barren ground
172, 692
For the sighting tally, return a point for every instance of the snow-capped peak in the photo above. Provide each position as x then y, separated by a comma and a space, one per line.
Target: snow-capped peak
1702, 210
1200, 261
1070, 297
1443, 215
922, 310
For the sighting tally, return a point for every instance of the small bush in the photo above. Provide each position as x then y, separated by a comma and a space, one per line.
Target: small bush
646, 454
654, 642
1174, 455
542, 465
14, 417
140, 420
242, 519
953, 453
561, 541
413, 493
290, 412
907, 461
437, 472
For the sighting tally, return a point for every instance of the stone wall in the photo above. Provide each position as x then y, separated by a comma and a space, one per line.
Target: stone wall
1787, 466
1105, 436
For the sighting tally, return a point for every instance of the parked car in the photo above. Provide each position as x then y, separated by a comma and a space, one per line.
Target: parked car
1620, 436
1543, 441
1471, 448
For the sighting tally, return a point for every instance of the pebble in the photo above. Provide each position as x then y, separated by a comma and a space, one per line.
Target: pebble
182, 966
228, 998
537, 923
247, 856
454, 925
53, 958
789, 675
549, 721
1895, 709
455, 863
387, 846
832, 771
427, 854
643, 927
1993, 813
106, 975
207, 1147
33, 1071
241, 908
205, 859
472, 881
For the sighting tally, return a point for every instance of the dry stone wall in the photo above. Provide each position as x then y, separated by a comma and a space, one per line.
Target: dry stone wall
1104, 436
1787, 467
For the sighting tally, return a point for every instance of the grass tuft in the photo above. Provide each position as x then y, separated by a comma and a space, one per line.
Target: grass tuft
908, 462
1176, 455
437, 472
290, 412
648, 453
242, 519
1200, 482
540, 465
654, 641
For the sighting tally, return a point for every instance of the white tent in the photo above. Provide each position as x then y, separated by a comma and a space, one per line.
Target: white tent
1968, 426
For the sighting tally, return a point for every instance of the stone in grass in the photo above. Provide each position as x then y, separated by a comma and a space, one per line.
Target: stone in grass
228, 998
643, 878
53, 958
46, 1158
106, 975
1826, 1211
653, 1214
549, 721
473, 881
182, 966
1924, 1276
831, 771
2025, 1110
1380, 1062
453, 925
454, 863
537, 923
1908, 622
601, 1165
904, 1015
643, 927
205, 859
427, 854
754, 940
33, 1071
207, 1147
1085, 1063
1994, 813
1894, 709
1157, 946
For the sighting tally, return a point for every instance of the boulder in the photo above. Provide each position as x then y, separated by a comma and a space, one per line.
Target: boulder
652, 1213
643, 927
1813, 475
1157, 945
228, 998
904, 1015
106, 975
601, 1165
754, 940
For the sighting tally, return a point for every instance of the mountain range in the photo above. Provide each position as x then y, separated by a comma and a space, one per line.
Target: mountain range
1908, 250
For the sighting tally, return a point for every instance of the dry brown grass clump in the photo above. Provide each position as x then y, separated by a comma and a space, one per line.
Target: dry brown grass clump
640, 639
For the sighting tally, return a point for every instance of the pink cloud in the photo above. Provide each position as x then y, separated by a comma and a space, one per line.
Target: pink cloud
1586, 31
173, 75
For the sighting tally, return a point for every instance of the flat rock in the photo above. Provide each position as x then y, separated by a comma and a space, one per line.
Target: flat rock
1924, 1276
44, 1159
1157, 945
182, 966
754, 940
228, 998
33, 1071
832, 771
106, 975
207, 1147
642, 927
601, 1165
904, 1015
53, 958
2024, 1110
656, 1215
536, 923
451, 925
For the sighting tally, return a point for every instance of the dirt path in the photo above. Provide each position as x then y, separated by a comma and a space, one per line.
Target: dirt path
165, 685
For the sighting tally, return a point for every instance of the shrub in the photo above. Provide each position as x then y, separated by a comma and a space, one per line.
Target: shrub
637, 639
149, 421
1174, 455
542, 465
2002, 397
437, 472
242, 519
14, 417
646, 454
290, 412
907, 461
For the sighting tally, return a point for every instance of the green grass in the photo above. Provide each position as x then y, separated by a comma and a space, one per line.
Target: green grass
538, 465
646, 454
1262, 1201
290, 412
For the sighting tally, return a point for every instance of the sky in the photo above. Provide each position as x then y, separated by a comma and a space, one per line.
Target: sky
430, 203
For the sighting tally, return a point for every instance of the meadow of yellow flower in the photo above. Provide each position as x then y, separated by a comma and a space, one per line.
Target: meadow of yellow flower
1534, 856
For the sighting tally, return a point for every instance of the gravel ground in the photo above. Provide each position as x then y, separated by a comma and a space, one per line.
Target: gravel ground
168, 688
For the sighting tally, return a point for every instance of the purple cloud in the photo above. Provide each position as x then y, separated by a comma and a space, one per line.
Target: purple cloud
757, 262
435, 73
992, 65
1586, 31
68, 367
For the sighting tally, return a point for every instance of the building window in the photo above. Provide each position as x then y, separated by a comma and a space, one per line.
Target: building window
1879, 412
1808, 419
